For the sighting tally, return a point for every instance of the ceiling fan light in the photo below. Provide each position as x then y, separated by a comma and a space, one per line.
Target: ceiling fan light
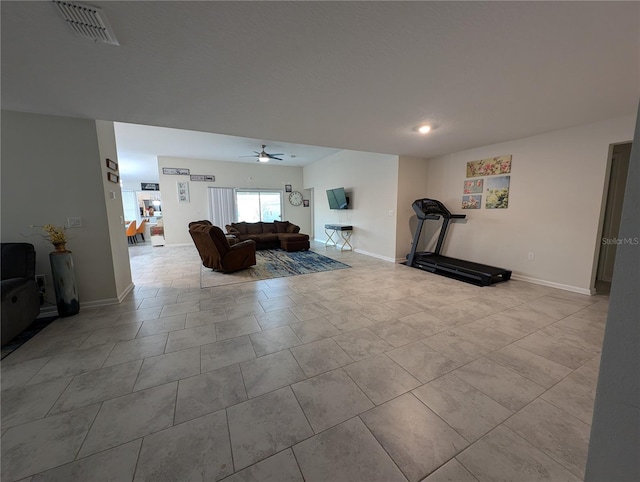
263, 158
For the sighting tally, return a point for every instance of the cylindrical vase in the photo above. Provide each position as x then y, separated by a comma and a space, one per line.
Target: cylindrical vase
64, 283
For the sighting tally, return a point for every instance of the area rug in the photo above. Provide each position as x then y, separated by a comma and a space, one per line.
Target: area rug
32, 330
274, 263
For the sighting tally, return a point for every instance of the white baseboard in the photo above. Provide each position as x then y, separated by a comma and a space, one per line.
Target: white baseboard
375, 255
552, 284
52, 310
126, 291
47, 311
108, 301
322, 241
360, 251
99, 303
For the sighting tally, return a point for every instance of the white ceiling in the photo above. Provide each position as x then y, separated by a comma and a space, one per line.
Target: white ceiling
343, 75
139, 146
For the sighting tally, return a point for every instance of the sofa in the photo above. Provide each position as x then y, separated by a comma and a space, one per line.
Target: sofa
20, 293
279, 234
216, 252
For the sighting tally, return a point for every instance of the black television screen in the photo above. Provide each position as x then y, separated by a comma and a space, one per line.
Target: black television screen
337, 198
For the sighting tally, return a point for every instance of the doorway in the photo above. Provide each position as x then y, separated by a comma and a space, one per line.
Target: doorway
619, 167
312, 213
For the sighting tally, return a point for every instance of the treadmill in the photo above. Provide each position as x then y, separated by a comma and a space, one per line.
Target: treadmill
434, 262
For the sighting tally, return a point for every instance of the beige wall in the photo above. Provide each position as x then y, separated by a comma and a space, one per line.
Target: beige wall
177, 216
555, 201
371, 182
412, 185
51, 170
115, 216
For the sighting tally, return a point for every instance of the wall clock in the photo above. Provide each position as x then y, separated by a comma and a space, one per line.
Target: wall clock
295, 198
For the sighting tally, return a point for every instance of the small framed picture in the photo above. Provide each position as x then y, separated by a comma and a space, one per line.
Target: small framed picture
113, 177
183, 192
113, 165
175, 171
305, 203
202, 177
287, 188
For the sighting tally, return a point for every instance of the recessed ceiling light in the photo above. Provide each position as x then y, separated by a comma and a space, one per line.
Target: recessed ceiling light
424, 129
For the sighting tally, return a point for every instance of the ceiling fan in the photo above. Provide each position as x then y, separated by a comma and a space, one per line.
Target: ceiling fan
264, 156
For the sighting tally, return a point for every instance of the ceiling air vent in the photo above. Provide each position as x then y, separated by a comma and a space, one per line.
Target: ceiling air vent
87, 21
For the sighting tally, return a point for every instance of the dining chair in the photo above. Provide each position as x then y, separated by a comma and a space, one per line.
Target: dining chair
131, 232
140, 229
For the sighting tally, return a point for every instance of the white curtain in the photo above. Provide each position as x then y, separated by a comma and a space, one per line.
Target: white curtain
222, 206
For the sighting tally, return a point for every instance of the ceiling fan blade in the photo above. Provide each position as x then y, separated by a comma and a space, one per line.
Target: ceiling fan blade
276, 154
276, 158
248, 156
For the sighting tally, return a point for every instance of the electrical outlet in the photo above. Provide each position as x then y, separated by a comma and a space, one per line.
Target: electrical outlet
532, 256
390, 213
41, 280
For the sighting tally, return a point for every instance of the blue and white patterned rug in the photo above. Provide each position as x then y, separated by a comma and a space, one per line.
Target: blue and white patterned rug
274, 263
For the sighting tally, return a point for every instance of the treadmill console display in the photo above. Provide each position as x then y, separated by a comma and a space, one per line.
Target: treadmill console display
430, 207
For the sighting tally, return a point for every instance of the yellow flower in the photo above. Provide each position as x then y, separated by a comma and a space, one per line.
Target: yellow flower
56, 234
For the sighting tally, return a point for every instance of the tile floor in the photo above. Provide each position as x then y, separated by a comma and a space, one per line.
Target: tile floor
377, 373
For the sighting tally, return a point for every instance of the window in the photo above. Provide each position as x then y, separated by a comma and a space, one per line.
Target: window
254, 206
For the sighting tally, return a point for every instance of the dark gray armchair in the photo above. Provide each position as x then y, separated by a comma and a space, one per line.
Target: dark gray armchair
20, 294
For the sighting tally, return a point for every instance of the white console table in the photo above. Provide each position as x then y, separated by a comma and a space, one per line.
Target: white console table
344, 236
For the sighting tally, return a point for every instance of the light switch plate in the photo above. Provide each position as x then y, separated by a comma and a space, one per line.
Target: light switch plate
75, 222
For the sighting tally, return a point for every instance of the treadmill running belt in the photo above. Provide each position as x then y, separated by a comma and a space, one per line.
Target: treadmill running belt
460, 269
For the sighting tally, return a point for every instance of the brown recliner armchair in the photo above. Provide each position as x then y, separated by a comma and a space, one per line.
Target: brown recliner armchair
216, 252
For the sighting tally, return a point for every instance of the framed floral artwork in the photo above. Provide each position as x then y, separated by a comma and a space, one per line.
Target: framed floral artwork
472, 186
471, 202
489, 167
497, 194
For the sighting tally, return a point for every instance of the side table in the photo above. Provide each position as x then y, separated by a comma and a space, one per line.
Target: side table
344, 236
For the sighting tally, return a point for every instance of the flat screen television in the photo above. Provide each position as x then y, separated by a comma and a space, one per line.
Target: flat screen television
337, 198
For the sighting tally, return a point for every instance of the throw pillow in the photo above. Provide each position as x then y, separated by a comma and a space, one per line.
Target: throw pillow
241, 227
293, 228
254, 228
281, 226
268, 228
